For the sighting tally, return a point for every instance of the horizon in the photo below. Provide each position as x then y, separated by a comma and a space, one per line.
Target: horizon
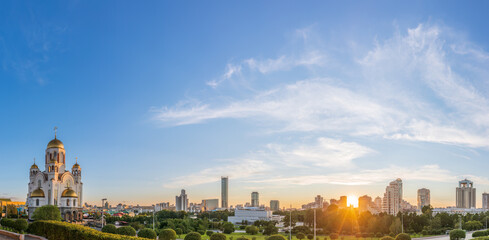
326, 98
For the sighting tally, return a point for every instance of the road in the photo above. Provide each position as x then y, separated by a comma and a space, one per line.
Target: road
468, 235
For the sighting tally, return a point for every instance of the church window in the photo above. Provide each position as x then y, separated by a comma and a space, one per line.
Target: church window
74, 202
67, 202
37, 202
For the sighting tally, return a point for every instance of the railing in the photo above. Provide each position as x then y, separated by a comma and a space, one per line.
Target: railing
18, 236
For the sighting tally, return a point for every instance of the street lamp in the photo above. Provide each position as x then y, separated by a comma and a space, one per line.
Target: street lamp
154, 209
103, 199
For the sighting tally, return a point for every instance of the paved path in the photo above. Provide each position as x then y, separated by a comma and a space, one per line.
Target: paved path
5, 238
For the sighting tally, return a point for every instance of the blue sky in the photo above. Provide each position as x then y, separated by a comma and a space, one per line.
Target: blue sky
288, 98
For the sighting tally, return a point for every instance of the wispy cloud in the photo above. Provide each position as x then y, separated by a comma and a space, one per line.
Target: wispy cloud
406, 89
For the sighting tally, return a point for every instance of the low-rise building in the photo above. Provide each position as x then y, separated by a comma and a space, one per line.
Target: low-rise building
249, 215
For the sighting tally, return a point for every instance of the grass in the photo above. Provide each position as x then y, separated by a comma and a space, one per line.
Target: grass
318, 237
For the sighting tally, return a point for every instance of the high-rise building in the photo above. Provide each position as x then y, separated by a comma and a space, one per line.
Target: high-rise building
364, 203
465, 194
318, 200
485, 200
274, 205
423, 198
391, 203
255, 199
342, 202
224, 192
209, 204
378, 203
181, 202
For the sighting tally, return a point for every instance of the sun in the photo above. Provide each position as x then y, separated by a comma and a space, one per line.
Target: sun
352, 200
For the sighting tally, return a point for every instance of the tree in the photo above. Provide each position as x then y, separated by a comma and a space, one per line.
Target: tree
358, 235
310, 236
168, 234
193, 236
109, 228
396, 226
276, 237
12, 211
209, 233
270, 229
300, 236
457, 234
179, 231
228, 228
403, 236
472, 225
126, 230
147, 233
218, 236
47, 212
136, 225
251, 230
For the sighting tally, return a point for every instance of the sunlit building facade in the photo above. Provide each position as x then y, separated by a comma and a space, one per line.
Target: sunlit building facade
224, 192
391, 203
423, 198
255, 201
465, 194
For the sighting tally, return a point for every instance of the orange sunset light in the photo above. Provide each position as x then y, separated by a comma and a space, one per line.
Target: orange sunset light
352, 200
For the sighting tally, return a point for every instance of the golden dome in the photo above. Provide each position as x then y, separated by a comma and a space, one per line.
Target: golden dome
55, 143
37, 193
76, 166
34, 166
69, 193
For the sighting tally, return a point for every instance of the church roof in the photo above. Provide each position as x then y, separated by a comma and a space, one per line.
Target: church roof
56, 143
37, 193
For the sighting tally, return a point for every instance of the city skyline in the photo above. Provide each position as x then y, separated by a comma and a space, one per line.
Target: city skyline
152, 99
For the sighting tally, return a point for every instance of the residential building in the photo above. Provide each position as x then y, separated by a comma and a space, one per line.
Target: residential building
255, 199
378, 202
318, 200
274, 205
224, 192
465, 194
364, 203
391, 203
210, 204
423, 198
181, 202
485, 201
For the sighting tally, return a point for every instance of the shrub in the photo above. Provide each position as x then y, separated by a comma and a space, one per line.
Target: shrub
310, 236
126, 231
457, 234
7, 222
251, 230
147, 233
201, 232
253, 238
242, 227
193, 236
365, 235
218, 236
300, 236
66, 231
136, 225
209, 233
379, 235
20, 225
403, 236
276, 237
334, 236
480, 234
179, 231
358, 235
387, 238
47, 212
168, 234
242, 238
109, 228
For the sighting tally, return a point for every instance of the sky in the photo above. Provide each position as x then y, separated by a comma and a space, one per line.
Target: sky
292, 99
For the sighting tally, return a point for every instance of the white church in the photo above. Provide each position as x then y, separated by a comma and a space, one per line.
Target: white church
56, 185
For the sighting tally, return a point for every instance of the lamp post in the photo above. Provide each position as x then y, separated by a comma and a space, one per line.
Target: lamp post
104, 199
290, 222
154, 209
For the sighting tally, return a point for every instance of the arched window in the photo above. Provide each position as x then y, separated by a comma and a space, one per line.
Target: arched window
37, 202
74, 202
67, 202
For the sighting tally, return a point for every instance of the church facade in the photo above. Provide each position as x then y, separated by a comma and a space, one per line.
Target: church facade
56, 185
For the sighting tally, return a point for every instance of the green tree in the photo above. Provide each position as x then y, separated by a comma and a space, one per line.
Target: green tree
126, 230
136, 225
270, 229
228, 228
147, 233
193, 236
310, 236
179, 231
209, 233
276, 237
300, 236
12, 211
218, 236
457, 234
403, 236
168, 234
396, 227
47, 212
253, 230
109, 228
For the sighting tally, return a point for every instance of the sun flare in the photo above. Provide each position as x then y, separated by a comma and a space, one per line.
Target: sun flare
352, 200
